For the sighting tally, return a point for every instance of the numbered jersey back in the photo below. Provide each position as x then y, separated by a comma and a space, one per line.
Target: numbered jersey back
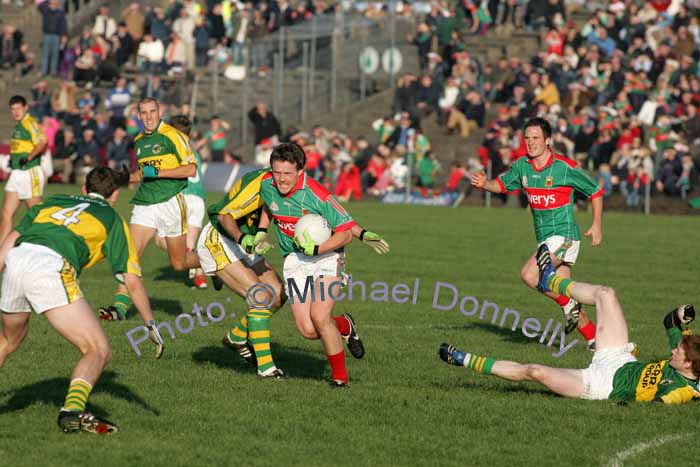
82, 229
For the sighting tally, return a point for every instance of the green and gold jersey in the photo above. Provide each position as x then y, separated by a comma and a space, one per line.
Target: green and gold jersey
26, 135
308, 197
83, 229
550, 193
195, 186
655, 381
165, 148
243, 203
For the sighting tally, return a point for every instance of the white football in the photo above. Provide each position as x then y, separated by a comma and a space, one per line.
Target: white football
317, 227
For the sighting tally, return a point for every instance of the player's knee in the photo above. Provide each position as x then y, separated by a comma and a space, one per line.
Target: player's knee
535, 372
308, 332
606, 293
178, 264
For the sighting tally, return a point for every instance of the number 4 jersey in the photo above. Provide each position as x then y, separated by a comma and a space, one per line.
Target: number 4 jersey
82, 229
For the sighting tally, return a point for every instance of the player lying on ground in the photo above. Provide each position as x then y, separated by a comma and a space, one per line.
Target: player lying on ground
165, 162
289, 194
614, 373
43, 258
549, 181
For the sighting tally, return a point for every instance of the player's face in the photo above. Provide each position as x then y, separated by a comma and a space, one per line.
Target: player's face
149, 115
18, 111
535, 141
678, 357
286, 175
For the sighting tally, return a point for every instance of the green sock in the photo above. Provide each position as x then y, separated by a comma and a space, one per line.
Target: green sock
560, 285
239, 333
259, 335
122, 302
78, 393
479, 364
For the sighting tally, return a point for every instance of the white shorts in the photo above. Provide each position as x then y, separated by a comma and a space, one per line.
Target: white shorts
169, 218
27, 183
598, 377
37, 277
566, 249
217, 251
195, 210
298, 267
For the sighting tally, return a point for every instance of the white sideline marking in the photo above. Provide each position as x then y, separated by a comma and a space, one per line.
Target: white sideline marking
618, 459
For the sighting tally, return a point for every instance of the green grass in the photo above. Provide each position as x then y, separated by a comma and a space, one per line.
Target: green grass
200, 404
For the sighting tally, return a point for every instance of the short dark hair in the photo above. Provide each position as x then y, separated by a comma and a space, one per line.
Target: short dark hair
145, 100
105, 181
542, 123
17, 99
182, 123
289, 152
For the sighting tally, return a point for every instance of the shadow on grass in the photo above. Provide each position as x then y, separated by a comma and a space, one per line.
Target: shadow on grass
53, 392
171, 307
507, 334
167, 273
294, 361
506, 388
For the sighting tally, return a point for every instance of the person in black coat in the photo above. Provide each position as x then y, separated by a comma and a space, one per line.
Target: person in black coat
265, 123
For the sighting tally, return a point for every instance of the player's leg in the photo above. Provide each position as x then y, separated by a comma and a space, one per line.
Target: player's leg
141, 235
611, 330
9, 206
33, 201
77, 324
563, 381
195, 216
320, 313
574, 310
14, 330
254, 327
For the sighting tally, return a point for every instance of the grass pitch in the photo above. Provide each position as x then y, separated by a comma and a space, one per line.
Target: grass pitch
201, 405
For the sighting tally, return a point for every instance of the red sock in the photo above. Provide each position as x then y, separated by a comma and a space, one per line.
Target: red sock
342, 324
562, 300
338, 370
588, 331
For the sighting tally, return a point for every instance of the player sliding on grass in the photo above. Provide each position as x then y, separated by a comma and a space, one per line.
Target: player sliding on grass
549, 181
165, 162
43, 258
614, 373
289, 194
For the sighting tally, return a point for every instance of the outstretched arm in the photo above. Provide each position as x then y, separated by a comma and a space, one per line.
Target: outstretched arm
675, 322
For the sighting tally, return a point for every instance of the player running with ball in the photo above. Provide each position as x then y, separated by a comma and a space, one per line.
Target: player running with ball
614, 373
43, 258
549, 181
289, 194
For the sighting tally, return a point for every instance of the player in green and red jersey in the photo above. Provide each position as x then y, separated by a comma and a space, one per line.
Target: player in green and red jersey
549, 181
165, 162
43, 258
614, 372
289, 194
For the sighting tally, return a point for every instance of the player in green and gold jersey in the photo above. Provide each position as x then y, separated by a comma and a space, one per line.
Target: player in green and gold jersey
26, 181
549, 181
43, 258
614, 372
165, 162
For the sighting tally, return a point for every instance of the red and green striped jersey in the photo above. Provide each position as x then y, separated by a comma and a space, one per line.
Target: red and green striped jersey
25, 137
165, 148
655, 381
550, 193
83, 229
307, 197
195, 186
243, 203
